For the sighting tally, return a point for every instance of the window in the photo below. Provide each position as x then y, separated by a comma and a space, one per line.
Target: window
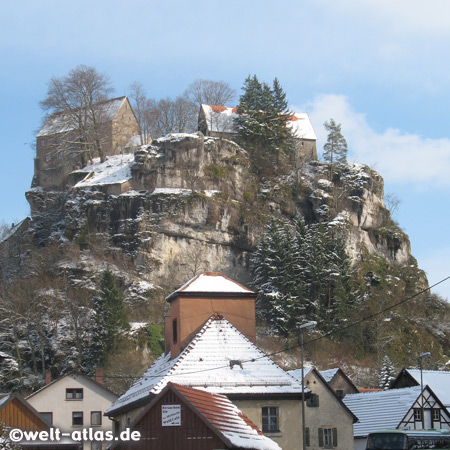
96, 445
307, 439
313, 401
436, 414
48, 416
327, 437
74, 394
417, 415
270, 419
77, 418
96, 418
174, 331
340, 393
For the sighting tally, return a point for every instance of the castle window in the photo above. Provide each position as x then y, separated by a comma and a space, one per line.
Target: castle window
313, 401
270, 421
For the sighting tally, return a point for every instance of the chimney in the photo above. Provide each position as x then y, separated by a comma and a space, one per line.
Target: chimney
99, 375
48, 377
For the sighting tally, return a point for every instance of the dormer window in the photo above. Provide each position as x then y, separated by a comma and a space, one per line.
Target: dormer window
235, 362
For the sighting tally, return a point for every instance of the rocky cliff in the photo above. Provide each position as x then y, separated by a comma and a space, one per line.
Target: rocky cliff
189, 203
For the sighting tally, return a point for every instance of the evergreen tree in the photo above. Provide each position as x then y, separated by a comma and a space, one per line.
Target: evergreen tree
110, 320
301, 273
335, 149
263, 118
387, 375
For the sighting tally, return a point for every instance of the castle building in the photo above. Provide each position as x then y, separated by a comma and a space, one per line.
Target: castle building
68, 139
218, 121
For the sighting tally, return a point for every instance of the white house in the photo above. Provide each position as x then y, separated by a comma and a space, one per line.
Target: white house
75, 402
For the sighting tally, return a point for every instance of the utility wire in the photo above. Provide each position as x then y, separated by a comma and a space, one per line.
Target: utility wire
346, 327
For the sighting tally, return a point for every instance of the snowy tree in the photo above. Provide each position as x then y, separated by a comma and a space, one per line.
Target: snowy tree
387, 375
110, 320
335, 149
262, 122
301, 273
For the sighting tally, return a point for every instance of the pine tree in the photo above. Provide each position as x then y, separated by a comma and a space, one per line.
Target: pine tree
387, 375
335, 149
110, 320
262, 121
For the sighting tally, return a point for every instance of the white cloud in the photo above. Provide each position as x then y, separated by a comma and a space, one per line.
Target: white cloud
400, 157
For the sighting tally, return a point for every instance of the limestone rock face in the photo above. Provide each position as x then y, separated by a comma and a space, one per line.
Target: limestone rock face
189, 203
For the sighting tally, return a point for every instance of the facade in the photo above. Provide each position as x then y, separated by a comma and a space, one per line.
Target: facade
16, 412
329, 423
74, 402
218, 121
396, 409
60, 149
219, 359
184, 418
438, 380
339, 382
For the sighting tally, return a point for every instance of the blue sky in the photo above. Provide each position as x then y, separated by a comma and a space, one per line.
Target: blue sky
380, 68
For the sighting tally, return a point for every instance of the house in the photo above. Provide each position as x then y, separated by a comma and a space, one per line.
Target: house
329, 422
73, 402
438, 380
61, 147
395, 409
209, 345
218, 121
339, 382
180, 417
16, 412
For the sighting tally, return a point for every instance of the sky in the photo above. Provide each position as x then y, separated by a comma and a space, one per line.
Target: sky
380, 68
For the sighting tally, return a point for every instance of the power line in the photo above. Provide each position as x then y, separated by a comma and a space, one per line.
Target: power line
346, 327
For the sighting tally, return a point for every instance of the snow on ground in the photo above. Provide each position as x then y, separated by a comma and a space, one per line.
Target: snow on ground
116, 169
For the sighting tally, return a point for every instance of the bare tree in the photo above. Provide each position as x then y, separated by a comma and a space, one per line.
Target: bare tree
75, 103
209, 92
173, 116
144, 109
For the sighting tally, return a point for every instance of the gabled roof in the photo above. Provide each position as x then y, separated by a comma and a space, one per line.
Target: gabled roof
219, 359
297, 373
8, 398
438, 380
211, 282
78, 374
220, 415
221, 119
381, 410
62, 122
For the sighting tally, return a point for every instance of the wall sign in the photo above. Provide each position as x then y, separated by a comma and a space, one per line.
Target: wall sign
171, 415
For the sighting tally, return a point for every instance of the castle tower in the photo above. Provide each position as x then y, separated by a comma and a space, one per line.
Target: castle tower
196, 301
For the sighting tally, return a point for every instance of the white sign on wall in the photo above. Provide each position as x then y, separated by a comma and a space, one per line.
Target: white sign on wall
171, 415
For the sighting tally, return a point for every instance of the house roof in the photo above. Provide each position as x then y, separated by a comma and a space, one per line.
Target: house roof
61, 122
380, 410
71, 373
222, 416
8, 398
220, 360
438, 380
211, 282
329, 374
297, 373
221, 119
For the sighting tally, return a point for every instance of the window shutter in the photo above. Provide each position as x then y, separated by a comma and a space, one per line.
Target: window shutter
335, 437
307, 437
320, 437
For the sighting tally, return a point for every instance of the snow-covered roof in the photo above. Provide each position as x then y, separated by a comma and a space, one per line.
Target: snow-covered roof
328, 374
63, 122
115, 169
439, 382
211, 282
225, 417
221, 119
382, 409
219, 359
